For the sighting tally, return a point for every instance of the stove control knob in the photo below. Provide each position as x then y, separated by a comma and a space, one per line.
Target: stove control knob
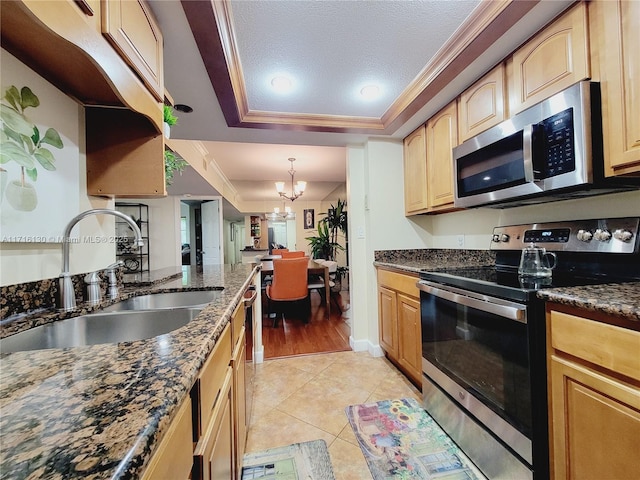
584, 235
496, 237
504, 237
623, 235
602, 235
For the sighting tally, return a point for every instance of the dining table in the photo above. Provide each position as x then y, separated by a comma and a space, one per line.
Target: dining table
314, 268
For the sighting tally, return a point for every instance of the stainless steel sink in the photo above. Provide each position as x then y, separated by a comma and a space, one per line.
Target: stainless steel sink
166, 300
96, 328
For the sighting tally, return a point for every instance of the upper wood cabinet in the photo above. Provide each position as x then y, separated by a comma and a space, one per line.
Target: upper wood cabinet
131, 28
554, 59
482, 105
615, 39
442, 136
415, 172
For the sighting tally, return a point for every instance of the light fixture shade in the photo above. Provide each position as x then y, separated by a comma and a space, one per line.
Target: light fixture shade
280, 187
276, 209
300, 186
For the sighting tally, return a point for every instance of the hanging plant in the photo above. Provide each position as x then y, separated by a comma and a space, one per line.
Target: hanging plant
172, 164
22, 142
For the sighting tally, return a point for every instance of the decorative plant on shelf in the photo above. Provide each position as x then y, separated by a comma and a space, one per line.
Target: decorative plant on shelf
172, 164
22, 142
169, 119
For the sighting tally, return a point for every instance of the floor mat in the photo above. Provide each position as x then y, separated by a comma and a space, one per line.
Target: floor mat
399, 439
299, 461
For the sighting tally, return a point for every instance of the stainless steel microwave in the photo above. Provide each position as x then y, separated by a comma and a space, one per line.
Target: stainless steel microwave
549, 151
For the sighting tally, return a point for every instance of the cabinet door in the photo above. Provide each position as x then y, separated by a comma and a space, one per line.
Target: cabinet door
388, 321
415, 173
595, 424
553, 60
409, 336
239, 365
213, 456
482, 105
442, 136
131, 28
615, 38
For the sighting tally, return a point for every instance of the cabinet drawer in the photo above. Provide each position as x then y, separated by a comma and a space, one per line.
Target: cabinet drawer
174, 456
399, 282
212, 378
608, 346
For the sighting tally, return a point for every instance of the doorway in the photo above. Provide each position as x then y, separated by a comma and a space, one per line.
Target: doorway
201, 231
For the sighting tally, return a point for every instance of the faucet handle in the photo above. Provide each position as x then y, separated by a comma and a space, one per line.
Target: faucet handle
92, 282
117, 264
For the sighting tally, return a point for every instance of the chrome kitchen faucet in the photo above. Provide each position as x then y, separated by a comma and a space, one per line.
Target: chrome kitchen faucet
67, 294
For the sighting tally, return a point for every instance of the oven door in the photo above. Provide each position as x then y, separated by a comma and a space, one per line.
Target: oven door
475, 348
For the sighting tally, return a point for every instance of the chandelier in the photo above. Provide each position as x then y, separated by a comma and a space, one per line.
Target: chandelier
296, 190
285, 214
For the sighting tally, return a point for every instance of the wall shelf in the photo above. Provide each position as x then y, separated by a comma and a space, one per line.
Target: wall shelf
135, 259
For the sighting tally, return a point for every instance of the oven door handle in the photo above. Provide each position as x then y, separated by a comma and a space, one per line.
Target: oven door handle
506, 311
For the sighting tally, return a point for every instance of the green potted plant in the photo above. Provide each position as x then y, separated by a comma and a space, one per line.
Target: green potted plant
169, 119
325, 243
172, 164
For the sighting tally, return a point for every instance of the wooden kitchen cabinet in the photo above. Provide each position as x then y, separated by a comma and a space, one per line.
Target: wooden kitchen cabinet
594, 397
482, 105
442, 136
615, 39
415, 172
174, 455
399, 322
133, 31
388, 320
554, 59
239, 407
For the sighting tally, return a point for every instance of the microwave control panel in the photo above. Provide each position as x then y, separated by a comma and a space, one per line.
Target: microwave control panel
554, 140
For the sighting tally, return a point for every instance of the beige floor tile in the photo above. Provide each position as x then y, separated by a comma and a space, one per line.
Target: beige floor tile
307, 363
348, 462
347, 434
272, 387
277, 429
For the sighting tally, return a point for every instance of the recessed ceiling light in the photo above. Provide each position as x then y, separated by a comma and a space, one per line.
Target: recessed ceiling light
281, 83
181, 107
370, 92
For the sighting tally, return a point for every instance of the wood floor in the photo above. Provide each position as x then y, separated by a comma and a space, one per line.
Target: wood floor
319, 335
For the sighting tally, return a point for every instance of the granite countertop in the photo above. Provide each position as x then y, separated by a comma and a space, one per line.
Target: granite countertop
98, 411
621, 299
415, 261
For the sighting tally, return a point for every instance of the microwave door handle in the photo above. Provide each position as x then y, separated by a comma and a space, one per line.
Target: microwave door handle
505, 311
527, 153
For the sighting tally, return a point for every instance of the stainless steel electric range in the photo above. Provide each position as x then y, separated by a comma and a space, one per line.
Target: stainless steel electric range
483, 338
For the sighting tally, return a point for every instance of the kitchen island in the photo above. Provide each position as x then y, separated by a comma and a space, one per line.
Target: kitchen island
99, 411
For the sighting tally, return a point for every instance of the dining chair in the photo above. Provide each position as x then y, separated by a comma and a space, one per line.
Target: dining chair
278, 251
317, 283
289, 283
293, 254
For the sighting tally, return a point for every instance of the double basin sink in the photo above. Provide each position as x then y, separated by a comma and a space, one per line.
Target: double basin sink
136, 318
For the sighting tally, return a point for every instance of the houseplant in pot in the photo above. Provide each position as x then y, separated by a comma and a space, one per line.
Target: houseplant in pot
172, 164
169, 119
325, 244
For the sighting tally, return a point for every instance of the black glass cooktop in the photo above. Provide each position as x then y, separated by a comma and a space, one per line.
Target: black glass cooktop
506, 283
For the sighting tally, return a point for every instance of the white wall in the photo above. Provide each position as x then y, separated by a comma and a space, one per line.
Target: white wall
26, 262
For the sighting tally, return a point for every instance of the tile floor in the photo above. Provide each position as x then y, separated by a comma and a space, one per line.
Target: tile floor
303, 398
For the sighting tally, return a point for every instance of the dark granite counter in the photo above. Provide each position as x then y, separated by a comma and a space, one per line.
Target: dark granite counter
621, 300
414, 261
98, 411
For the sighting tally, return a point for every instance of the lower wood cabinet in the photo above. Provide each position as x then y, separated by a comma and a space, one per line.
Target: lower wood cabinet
594, 398
174, 456
399, 322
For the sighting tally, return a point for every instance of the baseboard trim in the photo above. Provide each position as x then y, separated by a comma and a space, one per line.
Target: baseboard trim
366, 346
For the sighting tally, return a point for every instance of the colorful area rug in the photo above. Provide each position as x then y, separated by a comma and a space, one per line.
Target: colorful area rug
399, 439
300, 461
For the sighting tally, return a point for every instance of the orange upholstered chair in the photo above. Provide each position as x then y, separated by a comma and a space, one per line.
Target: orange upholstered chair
279, 251
289, 282
294, 254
